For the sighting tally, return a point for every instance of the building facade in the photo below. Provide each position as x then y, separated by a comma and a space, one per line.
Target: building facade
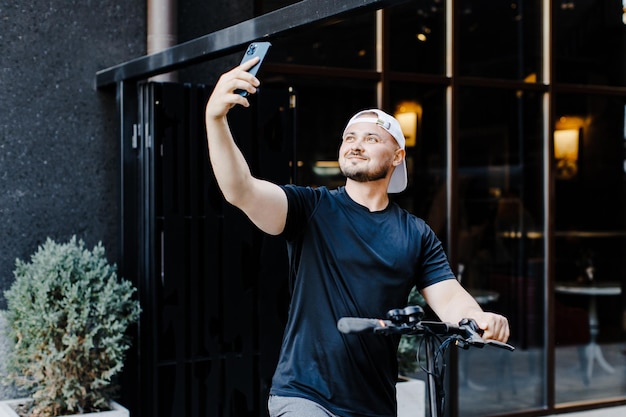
515, 118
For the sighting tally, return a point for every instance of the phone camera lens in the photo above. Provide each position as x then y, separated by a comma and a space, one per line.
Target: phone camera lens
251, 49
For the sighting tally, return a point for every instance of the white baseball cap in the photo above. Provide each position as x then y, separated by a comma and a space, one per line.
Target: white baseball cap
398, 180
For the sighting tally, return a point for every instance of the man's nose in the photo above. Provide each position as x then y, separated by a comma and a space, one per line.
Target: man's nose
357, 144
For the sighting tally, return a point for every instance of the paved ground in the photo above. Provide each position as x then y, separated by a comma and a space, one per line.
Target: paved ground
604, 412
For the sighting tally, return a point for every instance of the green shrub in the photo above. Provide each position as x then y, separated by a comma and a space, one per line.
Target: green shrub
68, 314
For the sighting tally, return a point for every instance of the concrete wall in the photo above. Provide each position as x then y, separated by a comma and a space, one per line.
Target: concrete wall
58, 134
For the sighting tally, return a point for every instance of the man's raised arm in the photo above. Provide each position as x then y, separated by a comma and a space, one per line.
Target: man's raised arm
263, 202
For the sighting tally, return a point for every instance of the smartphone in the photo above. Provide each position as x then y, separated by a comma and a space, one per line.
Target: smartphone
254, 49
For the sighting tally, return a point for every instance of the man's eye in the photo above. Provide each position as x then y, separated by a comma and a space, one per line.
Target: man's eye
348, 139
371, 139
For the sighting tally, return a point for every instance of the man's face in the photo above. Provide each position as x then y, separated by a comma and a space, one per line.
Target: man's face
368, 152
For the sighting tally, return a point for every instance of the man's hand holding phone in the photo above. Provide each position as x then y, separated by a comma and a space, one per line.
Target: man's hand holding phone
233, 87
254, 50
225, 97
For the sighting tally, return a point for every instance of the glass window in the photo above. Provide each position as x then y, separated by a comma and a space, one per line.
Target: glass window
320, 45
500, 39
500, 166
590, 242
417, 37
589, 42
500, 243
323, 107
422, 111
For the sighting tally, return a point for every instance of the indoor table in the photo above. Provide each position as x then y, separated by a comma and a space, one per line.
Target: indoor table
593, 352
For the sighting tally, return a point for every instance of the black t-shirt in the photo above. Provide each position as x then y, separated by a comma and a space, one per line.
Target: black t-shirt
349, 262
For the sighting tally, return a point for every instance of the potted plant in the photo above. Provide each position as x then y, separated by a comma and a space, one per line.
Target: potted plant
67, 317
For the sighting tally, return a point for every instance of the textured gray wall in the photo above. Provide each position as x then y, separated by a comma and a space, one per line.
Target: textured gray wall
58, 134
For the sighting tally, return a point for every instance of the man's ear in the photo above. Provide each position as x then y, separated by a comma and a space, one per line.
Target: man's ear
398, 157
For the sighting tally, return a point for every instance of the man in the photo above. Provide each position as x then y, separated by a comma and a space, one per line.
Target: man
353, 253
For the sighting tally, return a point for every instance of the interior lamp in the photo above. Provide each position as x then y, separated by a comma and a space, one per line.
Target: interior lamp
566, 152
409, 115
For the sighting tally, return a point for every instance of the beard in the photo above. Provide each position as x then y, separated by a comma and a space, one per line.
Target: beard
361, 175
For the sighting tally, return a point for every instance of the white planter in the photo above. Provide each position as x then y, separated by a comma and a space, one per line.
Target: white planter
6, 410
411, 396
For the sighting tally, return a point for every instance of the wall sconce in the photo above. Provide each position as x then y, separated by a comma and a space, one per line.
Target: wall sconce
409, 115
566, 152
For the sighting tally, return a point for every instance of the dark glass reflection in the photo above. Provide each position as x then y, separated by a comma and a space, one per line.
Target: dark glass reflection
500, 39
417, 37
426, 151
590, 242
319, 45
500, 244
589, 42
323, 107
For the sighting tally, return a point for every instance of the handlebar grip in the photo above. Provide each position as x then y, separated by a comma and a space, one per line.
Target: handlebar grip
473, 326
361, 325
